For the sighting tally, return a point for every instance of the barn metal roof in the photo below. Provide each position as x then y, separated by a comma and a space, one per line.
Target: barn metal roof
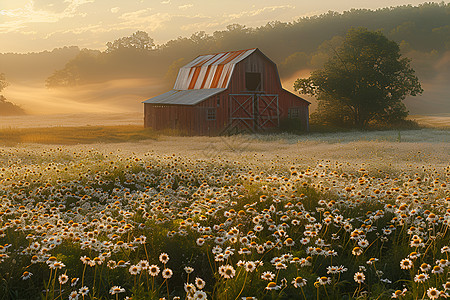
210, 71
184, 97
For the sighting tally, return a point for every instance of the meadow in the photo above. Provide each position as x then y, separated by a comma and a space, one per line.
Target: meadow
356, 215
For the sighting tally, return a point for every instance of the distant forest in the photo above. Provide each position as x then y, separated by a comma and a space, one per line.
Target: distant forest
422, 31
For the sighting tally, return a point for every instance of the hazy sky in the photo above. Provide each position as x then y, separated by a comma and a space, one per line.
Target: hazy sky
36, 25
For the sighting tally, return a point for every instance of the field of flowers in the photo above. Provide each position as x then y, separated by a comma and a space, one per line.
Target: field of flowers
226, 218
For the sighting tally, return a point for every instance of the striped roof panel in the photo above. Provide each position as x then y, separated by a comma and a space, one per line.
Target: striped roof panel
210, 71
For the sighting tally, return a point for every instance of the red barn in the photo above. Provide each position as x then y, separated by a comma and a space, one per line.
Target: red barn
237, 90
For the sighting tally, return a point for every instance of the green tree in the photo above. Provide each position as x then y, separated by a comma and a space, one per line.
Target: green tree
138, 40
3, 82
7, 108
364, 80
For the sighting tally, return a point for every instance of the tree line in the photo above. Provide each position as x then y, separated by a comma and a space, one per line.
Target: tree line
423, 31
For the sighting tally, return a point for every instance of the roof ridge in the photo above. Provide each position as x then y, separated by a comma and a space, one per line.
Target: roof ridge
243, 50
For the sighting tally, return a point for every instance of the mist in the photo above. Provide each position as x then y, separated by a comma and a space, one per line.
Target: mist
114, 96
70, 80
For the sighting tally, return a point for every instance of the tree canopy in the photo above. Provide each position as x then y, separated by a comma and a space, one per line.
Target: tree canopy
365, 79
7, 108
3, 82
138, 40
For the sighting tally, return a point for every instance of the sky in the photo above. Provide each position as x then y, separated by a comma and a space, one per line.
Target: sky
38, 25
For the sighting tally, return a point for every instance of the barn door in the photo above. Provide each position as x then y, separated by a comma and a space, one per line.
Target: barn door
254, 111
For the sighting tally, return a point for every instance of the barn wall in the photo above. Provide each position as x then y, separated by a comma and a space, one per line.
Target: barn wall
192, 120
287, 100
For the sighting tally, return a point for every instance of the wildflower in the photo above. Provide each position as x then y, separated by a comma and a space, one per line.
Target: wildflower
363, 243
359, 277
189, 288
188, 270
73, 295
216, 249
143, 264
442, 263
437, 270
63, 278
280, 266
399, 293
153, 270
200, 283
304, 241
167, 273
83, 291
289, 242
111, 264
56, 265
324, 280
200, 295
425, 267
244, 251
446, 286
26, 275
116, 289
267, 276
422, 277
433, 293
414, 255
164, 258
250, 266
272, 286
74, 282
357, 251
227, 271
417, 242
85, 259
134, 269
299, 282
406, 264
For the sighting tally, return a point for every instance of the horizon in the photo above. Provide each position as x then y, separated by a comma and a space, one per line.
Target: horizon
43, 25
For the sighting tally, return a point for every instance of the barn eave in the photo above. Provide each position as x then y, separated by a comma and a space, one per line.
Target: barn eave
184, 97
298, 97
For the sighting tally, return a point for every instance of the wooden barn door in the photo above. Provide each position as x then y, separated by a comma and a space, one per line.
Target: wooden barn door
253, 111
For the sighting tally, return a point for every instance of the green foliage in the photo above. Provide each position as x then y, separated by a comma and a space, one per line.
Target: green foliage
366, 79
3, 82
291, 125
138, 40
7, 108
294, 62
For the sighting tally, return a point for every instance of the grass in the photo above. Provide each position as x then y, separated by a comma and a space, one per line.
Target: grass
76, 135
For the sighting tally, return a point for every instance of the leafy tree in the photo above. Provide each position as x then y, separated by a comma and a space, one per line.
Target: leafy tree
3, 82
138, 40
7, 108
364, 80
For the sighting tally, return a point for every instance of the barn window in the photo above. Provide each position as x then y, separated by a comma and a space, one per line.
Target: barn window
252, 81
211, 114
294, 113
